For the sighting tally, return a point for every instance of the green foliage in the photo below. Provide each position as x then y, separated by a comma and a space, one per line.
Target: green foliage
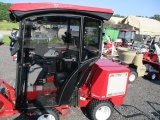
156, 16
141, 16
117, 15
6, 39
4, 11
56, 41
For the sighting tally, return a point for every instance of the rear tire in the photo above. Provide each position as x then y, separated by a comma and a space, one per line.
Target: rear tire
133, 76
100, 110
152, 75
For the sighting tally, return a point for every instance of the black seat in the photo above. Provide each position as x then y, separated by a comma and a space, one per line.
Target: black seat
60, 77
60, 74
65, 68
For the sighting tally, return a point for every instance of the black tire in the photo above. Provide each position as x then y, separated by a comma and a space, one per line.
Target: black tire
152, 75
40, 114
95, 106
133, 76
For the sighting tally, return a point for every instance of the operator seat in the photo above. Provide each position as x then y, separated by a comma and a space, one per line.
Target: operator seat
60, 77
65, 68
60, 74
64, 71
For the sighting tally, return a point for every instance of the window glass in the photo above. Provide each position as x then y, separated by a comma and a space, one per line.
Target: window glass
53, 43
121, 34
128, 36
47, 34
91, 39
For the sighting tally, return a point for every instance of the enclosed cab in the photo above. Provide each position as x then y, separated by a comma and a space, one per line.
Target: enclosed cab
127, 36
58, 62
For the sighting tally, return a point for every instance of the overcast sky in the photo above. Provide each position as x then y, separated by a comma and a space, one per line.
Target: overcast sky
122, 7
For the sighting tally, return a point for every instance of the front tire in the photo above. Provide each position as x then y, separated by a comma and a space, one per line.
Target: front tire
47, 114
133, 76
152, 75
100, 110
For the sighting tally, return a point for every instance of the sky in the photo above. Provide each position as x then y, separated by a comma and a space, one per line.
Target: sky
122, 7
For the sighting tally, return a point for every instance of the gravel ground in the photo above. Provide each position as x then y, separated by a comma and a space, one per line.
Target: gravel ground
141, 103
5, 32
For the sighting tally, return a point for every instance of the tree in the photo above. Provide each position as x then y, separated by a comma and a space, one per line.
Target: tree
156, 17
4, 11
117, 15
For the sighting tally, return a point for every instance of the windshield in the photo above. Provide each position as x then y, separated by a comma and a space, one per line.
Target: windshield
46, 33
126, 35
52, 35
121, 34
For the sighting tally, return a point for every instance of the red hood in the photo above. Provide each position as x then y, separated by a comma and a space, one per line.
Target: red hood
107, 63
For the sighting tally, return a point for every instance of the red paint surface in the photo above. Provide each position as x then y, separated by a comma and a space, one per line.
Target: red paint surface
85, 98
127, 30
7, 107
150, 56
50, 79
64, 110
41, 6
99, 82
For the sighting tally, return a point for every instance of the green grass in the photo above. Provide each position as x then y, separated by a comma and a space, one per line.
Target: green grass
6, 39
8, 25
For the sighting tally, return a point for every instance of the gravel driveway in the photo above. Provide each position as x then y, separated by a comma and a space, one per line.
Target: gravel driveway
5, 32
141, 103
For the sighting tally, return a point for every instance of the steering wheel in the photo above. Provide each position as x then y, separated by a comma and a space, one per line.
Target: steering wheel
37, 59
40, 60
70, 54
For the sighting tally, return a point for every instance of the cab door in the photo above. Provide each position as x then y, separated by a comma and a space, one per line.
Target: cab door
90, 52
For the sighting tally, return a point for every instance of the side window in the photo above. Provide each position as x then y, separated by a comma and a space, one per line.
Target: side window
91, 38
128, 36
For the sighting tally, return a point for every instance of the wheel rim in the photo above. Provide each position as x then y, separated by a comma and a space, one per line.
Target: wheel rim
132, 77
153, 76
46, 117
103, 113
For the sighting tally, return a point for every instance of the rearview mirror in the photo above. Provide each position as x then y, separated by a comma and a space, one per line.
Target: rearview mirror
11, 17
15, 48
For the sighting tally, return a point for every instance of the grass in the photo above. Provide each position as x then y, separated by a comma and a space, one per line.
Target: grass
6, 39
4, 25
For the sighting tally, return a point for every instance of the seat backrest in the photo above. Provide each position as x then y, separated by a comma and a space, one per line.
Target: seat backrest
157, 51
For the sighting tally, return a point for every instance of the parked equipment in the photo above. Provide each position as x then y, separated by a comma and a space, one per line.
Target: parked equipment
151, 60
125, 39
1, 38
54, 74
13, 40
127, 36
133, 60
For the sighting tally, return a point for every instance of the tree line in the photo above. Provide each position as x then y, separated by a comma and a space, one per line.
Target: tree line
4, 13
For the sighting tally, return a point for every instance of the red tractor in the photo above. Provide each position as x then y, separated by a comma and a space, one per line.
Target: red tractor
151, 60
56, 72
127, 36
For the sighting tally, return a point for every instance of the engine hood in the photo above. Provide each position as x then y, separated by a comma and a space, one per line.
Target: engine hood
107, 63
